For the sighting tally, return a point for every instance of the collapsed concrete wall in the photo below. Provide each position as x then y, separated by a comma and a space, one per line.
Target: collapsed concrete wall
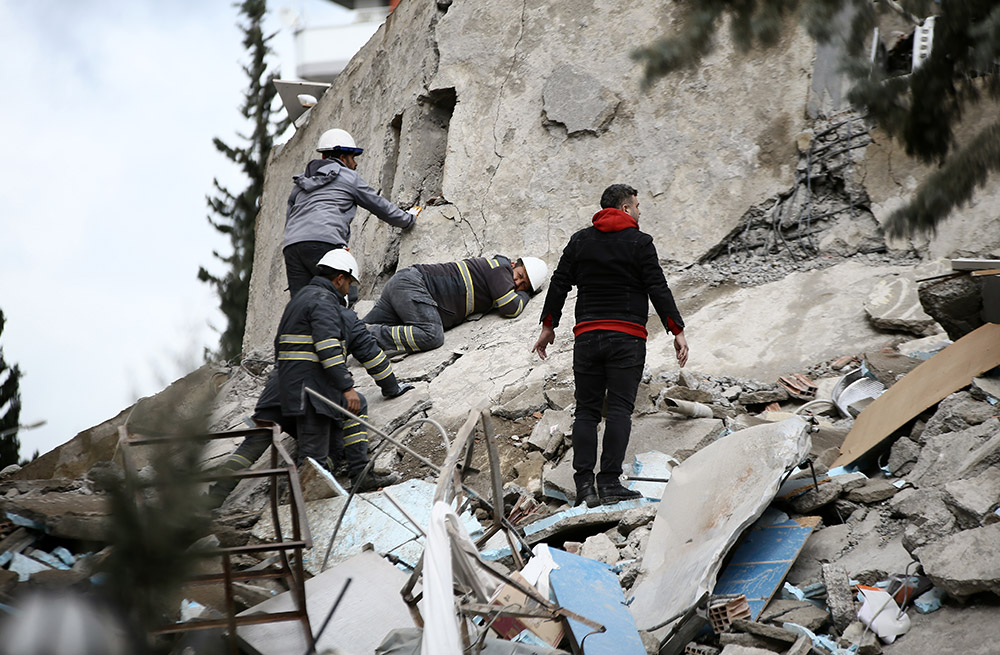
516, 115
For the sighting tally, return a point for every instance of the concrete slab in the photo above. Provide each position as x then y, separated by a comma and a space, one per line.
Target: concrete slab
964, 563
739, 340
700, 517
575, 517
371, 607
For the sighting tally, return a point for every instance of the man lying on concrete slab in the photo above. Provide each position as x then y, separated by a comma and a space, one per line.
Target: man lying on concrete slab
420, 302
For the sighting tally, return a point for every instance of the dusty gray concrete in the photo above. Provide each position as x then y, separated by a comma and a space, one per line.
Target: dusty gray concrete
964, 563
970, 629
459, 104
829, 321
893, 304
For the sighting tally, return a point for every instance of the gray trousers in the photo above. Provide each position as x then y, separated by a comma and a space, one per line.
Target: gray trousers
406, 316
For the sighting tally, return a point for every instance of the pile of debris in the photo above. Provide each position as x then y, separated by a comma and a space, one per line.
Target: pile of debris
805, 515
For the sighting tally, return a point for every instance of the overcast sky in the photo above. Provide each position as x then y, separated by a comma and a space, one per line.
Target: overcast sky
109, 110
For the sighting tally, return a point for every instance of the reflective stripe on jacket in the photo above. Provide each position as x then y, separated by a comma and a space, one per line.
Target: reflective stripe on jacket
473, 286
315, 335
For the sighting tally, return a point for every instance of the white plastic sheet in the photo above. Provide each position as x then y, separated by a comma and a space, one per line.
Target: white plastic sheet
881, 613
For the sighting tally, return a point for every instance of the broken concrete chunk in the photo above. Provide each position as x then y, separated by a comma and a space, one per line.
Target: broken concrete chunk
317, 483
893, 304
964, 563
600, 547
763, 396
839, 596
872, 491
856, 634
578, 101
66, 515
903, 456
687, 394
553, 423
801, 612
930, 519
823, 546
635, 518
888, 368
946, 457
973, 499
813, 499
957, 412
373, 592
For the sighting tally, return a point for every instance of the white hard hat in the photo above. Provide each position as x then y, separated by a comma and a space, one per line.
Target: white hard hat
537, 272
337, 139
341, 260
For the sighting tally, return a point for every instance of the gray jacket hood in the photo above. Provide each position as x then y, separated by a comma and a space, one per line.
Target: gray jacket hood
319, 172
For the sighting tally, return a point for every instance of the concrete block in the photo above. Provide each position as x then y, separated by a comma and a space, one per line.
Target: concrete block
600, 547
964, 563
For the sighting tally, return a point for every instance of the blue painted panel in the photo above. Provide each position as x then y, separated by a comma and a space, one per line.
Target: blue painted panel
762, 558
590, 589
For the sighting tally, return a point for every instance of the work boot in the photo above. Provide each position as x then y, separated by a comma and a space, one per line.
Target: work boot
373, 481
587, 495
615, 492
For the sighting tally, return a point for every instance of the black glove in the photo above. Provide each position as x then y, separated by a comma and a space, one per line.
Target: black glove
398, 391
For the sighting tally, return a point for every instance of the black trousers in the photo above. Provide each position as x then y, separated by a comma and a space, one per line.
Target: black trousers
300, 265
324, 438
607, 369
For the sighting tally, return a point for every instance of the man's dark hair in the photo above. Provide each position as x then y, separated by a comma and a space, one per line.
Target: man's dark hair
615, 195
330, 273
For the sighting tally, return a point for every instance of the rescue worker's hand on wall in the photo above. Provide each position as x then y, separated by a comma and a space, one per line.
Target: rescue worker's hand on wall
546, 338
353, 400
681, 348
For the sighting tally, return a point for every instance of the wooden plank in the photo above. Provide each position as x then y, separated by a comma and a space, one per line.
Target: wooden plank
762, 559
589, 588
932, 381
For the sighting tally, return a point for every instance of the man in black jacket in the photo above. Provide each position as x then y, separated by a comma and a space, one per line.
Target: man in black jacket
617, 272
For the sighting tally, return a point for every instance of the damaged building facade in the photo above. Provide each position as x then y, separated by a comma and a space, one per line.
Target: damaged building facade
766, 195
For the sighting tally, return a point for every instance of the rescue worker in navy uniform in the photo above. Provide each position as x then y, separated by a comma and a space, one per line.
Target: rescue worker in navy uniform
315, 335
322, 204
422, 301
616, 270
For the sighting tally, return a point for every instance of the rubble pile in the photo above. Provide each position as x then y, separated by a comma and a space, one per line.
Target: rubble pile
916, 520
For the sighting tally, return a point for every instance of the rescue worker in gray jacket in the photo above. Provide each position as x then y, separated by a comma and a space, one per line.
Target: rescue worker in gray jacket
422, 301
322, 204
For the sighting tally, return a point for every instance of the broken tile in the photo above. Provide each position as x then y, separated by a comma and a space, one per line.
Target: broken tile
762, 558
25, 566
591, 590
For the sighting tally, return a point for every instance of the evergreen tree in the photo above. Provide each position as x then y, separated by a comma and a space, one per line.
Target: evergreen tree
236, 213
920, 109
10, 408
